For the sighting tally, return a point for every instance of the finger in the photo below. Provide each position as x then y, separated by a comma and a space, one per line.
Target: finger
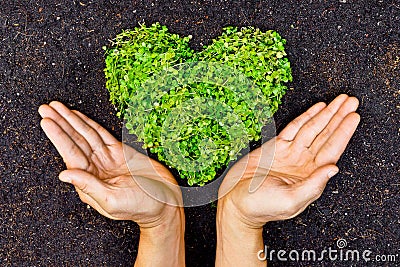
87, 184
85, 198
72, 155
92, 137
313, 127
46, 111
264, 163
312, 188
334, 147
349, 106
244, 169
293, 127
108, 138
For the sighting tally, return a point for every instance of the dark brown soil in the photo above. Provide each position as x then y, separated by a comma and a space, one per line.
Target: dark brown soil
51, 50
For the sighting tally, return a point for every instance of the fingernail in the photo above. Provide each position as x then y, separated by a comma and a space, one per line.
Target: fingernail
332, 173
65, 179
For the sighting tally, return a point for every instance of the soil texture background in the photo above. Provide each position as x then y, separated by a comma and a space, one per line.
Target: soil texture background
52, 50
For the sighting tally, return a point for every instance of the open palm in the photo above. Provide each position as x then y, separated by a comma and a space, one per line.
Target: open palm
281, 178
101, 168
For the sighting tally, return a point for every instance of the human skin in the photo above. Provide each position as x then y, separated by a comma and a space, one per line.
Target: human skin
305, 157
292, 171
105, 178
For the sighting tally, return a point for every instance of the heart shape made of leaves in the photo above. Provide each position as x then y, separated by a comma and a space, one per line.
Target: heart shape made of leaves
184, 106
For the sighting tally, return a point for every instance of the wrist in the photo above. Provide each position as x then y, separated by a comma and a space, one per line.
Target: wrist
163, 244
171, 220
238, 242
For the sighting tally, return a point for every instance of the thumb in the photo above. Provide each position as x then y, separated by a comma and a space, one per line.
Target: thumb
86, 182
313, 187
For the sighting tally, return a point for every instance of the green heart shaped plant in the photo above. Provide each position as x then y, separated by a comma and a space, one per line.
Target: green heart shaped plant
184, 106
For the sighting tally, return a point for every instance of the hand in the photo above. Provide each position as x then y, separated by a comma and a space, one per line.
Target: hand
102, 170
97, 168
284, 183
306, 152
